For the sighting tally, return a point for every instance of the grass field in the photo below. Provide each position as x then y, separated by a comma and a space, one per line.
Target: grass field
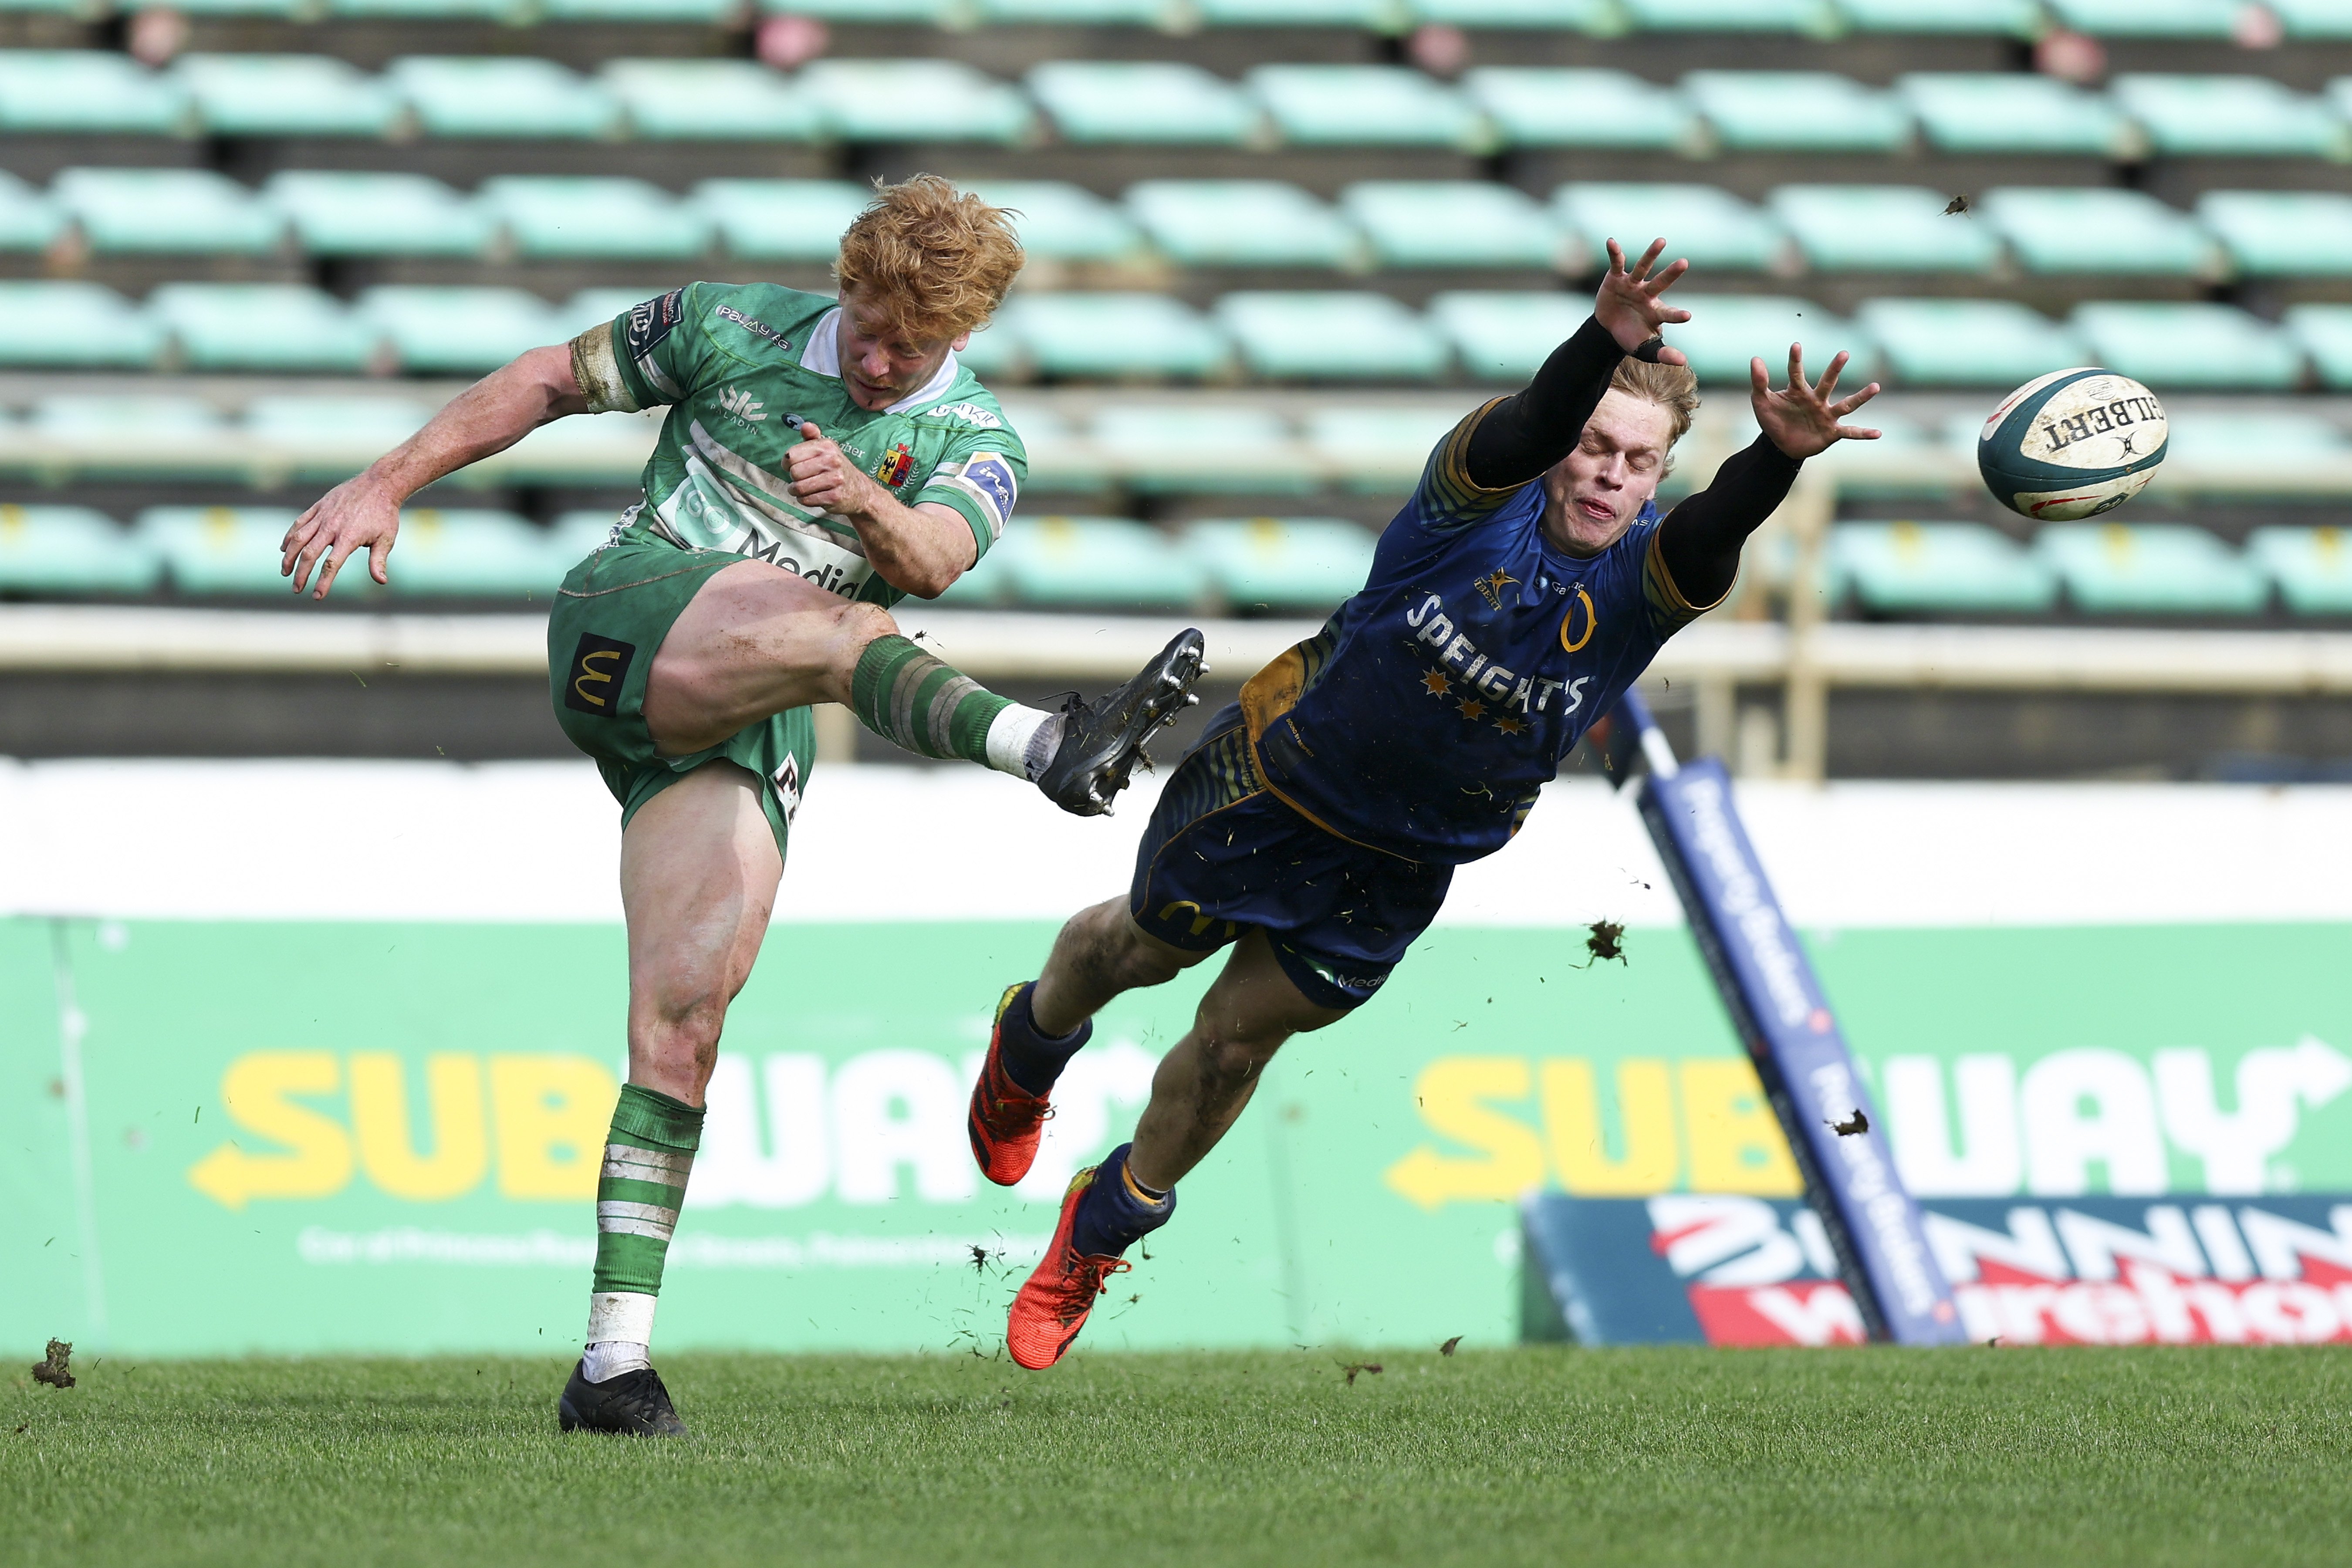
1536, 1456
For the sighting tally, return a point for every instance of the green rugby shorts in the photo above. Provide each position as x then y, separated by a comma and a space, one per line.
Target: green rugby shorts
610, 617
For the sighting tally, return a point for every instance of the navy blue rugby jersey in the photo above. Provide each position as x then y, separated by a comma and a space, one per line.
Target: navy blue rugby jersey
1429, 711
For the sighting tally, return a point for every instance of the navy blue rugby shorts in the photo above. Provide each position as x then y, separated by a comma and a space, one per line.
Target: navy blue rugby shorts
1223, 854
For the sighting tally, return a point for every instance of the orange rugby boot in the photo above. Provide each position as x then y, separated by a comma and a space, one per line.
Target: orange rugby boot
1054, 1300
1006, 1120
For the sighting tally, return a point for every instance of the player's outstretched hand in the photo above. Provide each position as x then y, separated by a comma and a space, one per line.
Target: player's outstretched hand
1628, 305
355, 515
825, 479
1799, 417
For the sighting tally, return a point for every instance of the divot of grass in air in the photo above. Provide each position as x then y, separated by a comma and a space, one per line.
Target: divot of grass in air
1540, 1455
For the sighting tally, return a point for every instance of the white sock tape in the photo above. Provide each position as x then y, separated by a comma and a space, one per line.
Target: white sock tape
1008, 737
621, 1315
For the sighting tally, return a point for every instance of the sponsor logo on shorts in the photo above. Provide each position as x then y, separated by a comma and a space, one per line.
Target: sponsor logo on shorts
756, 328
787, 780
600, 666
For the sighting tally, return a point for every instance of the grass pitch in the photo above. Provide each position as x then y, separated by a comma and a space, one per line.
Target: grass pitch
1975, 1456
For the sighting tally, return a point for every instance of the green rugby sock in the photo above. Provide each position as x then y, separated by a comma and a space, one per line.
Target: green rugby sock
648, 1153
927, 706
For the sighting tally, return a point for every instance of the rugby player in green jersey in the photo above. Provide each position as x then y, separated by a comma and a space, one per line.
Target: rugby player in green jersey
820, 461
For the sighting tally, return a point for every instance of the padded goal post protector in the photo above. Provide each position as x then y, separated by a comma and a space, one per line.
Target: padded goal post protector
1870, 1221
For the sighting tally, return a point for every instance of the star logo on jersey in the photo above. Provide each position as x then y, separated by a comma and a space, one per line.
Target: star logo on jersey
742, 405
1508, 725
1435, 684
1490, 587
896, 465
1473, 710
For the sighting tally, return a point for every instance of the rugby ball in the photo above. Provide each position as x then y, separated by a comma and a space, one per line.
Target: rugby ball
2072, 444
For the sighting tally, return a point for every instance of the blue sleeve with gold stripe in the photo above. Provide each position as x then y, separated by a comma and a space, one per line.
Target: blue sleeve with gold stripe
1447, 498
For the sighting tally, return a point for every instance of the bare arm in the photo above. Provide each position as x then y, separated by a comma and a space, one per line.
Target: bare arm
489, 417
919, 549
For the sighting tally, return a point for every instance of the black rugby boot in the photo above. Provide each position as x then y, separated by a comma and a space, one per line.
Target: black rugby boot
635, 1404
1102, 739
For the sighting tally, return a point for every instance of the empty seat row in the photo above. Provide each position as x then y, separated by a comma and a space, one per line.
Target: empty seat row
1165, 103
1282, 563
2102, 568
1375, 223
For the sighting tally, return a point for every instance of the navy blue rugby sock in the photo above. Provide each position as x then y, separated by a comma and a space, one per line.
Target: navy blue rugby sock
1033, 1058
1117, 1211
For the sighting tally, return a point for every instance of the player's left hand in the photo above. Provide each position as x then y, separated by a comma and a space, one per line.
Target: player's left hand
825, 479
1799, 417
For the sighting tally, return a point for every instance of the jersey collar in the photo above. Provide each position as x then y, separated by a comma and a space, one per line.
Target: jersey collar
822, 355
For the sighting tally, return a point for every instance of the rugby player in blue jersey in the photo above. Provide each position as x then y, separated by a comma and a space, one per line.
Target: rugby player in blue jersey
1315, 826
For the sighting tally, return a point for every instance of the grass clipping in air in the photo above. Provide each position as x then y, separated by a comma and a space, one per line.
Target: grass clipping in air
1543, 1456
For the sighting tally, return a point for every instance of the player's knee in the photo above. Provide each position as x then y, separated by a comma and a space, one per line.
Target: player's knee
679, 1033
1234, 1051
855, 624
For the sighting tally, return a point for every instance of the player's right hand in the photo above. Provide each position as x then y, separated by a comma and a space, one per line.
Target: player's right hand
1628, 304
355, 515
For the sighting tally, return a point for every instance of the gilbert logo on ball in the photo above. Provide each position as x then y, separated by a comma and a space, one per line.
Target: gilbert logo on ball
2072, 444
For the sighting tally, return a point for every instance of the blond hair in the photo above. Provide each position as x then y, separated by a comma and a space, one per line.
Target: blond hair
1672, 387
937, 261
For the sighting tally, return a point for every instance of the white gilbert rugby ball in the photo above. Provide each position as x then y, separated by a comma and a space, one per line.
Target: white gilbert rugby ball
2072, 444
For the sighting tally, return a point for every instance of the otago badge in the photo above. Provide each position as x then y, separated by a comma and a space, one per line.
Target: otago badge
896, 465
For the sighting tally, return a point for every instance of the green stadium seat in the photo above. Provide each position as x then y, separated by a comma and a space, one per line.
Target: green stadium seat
2209, 450
1884, 229
2312, 566
511, 12
285, 95
213, 550
377, 215
1058, 221
594, 214
465, 553
2148, 18
280, 10
1727, 330
1334, 335
1967, 342
600, 307
1454, 223
1241, 223
260, 326
1369, 13
319, 436
88, 90
916, 11
988, 584
71, 550
1712, 227
1354, 106
1380, 450
709, 13
1544, 106
457, 331
2170, 346
511, 96
2228, 116
709, 100
1281, 564
1940, 568
28, 220
781, 220
74, 326
1505, 336
1805, 110
1076, 13
1107, 561
2282, 234
2313, 19
2051, 230
166, 210
915, 100
573, 536
1144, 102
1729, 16
1565, 16
1114, 335
2322, 332
2012, 111
2157, 568
1197, 448
2007, 18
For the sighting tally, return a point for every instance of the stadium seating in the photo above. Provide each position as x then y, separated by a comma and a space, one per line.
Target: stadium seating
260, 326
1711, 227
2148, 18
599, 216
70, 549
1813, 110
915, 100
28, 220
1892, 229
1966, 112
377, 215
1379, 450
1966, 342
779, 220
285, 95
1201, 449
1276, 563
1456, 223
475, 554
2324, 332
1552, 107
456, 331
2150, 569
330, 437
224, 549
187, 211
1334, 335
2189, 345
2228, 116
2313, 19
2310, 566
2279, 234
1941, 568
711, 100
1143, 101
2009, 18
1241, 223
2053, 230
1061, 222
1112, 336
1362, 106
1502, 336
1108, 561
1727, 329
502, 97
87, 90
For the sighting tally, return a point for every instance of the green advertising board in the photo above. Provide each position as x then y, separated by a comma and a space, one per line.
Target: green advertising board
229, 1137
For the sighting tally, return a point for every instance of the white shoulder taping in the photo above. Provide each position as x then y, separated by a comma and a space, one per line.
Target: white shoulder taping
599, 374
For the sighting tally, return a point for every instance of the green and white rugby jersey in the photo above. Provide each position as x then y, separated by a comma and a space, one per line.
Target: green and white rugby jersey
730, 360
